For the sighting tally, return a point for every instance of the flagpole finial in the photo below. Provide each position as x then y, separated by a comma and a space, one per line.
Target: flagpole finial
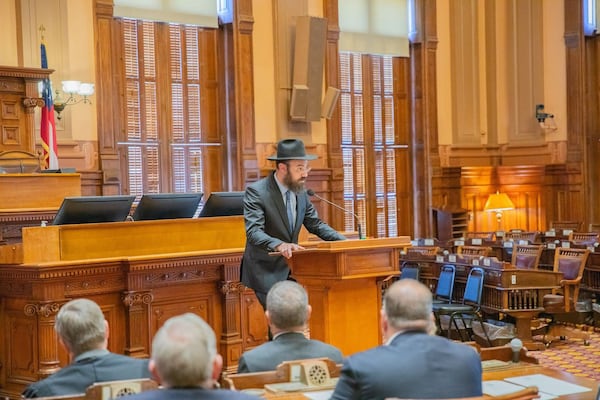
42, 29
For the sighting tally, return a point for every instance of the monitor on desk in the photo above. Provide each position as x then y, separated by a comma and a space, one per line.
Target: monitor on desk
86, 209
167, 206
222, 204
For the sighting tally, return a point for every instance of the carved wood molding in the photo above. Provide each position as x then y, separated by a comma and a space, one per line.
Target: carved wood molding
43, 309
131, 299
229, 287
95, 284
30, 103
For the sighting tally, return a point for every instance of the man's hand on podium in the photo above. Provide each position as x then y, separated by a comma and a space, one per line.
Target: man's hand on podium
286, 249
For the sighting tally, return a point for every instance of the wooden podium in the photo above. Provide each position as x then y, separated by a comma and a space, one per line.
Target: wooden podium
344, 283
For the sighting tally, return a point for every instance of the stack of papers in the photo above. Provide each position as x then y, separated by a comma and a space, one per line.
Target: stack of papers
549, 388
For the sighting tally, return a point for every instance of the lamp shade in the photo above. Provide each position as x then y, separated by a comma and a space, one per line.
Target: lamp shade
498, 202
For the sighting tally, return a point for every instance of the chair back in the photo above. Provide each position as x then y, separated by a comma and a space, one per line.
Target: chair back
445, 285
474, 287
473, 250
571, 262
519, 236
409, 270
562, 225
526, 256
421, 252
584, 238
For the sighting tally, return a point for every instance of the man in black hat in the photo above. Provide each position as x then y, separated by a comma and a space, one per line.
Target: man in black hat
275, 208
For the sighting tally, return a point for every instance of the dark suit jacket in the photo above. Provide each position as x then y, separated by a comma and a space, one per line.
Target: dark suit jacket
191, 394
286, 347
416, 366
267, 227
89, 368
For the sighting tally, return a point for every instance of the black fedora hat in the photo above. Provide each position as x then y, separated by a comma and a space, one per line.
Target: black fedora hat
291, 149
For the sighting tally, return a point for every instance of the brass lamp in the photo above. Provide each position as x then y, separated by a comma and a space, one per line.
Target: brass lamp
73, 88
498, 202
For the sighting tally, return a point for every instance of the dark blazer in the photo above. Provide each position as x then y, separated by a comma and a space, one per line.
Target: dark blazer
267, 227
416, 366
286, 347
79, 375
191, 394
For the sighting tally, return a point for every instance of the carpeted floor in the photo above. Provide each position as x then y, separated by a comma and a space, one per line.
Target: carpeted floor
573, 356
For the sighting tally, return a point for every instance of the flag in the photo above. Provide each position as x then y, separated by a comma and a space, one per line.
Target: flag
47, 126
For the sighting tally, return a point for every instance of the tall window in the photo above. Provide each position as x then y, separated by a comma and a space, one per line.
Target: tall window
371, 145
172, 120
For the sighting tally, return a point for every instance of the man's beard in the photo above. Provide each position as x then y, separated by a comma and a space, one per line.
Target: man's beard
294, 186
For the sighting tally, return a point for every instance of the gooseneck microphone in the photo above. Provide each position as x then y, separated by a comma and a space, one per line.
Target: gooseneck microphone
312, 193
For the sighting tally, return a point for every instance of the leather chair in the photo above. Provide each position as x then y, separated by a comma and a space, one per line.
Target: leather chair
561, 303
583, 239
467, 311
445, 285
526, 256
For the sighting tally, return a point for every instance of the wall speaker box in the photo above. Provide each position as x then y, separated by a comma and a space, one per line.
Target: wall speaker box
309, 59
330, 101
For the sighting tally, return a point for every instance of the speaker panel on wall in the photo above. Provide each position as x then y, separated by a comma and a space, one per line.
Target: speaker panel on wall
309, 59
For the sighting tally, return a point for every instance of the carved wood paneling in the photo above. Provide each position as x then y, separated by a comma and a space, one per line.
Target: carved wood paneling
136, 296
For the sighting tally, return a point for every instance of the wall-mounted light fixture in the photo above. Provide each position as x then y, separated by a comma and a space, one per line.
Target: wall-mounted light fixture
542, 116
73, 89
498, 202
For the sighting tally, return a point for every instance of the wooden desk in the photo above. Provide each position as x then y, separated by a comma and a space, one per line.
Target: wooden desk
140, 273
521, 369
28, 199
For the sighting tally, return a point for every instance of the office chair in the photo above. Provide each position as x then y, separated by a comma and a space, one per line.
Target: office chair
409, 270
560, 305
467, 311
445, 285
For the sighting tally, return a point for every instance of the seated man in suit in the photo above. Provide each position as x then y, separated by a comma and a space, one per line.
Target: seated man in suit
287, 314
83, 331
412, 362
185, 362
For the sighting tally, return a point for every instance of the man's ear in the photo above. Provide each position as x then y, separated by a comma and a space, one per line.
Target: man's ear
217, 367
268, 318
153, 370
384, 324
308, 312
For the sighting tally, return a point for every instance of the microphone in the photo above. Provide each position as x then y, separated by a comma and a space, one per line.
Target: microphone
312, 193
516, 345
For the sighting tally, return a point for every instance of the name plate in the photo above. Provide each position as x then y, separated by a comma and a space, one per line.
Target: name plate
452, 258
566, 245
439, 259
551, 234
507, 245
487, 262
459, 242
567, 231
475, 261
523, 242
499, 234
429, 242
551, 246
476, 241
591, 248
414, 242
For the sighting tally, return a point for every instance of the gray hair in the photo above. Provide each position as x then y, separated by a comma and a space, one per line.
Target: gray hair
407, 305
183, 351
287, 304
81, 326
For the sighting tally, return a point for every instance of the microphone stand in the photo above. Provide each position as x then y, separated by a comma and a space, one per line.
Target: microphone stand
312, 193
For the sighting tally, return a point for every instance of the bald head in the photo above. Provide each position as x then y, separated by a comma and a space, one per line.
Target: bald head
407, 305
